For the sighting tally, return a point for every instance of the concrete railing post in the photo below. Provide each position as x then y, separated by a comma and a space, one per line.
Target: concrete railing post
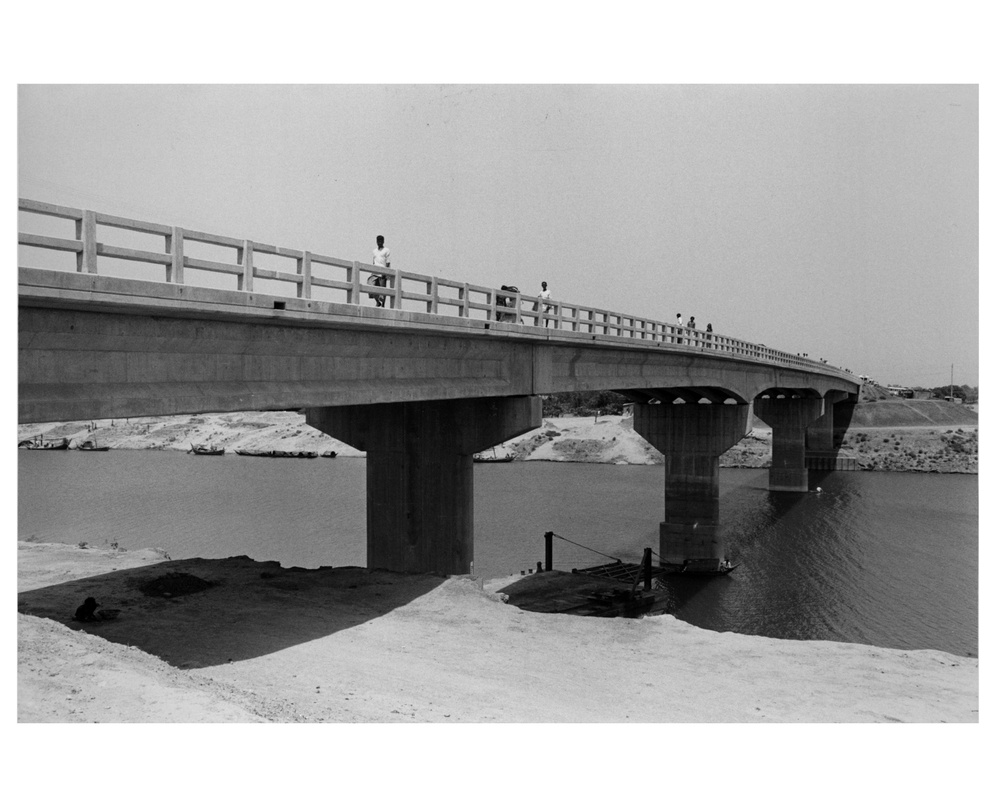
397, 285
175, 247
432, 291
86, 231
304, 269
354, 294
245, 257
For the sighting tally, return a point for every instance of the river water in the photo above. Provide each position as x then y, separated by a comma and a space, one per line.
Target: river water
887, 559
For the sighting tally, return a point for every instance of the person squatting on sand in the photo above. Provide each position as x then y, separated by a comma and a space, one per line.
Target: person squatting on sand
85, 612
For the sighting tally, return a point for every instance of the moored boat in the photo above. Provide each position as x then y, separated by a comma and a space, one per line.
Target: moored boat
275, 453
90, 445
700, 567
481, 457
39, 443
206, 449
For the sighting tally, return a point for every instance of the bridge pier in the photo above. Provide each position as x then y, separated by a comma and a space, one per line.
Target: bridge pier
789, 419
822, 442
691, 438
420, 474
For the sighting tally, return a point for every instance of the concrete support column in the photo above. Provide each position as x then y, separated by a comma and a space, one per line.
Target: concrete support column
419, 472
691, 438
822, 445
819, 434
843, 412
789, 419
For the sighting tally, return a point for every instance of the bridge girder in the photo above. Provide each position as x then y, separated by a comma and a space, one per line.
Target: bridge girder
98, 347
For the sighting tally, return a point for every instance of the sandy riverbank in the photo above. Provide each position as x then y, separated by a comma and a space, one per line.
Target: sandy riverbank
236, 640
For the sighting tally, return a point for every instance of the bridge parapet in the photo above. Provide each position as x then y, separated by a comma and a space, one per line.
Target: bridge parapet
201, 259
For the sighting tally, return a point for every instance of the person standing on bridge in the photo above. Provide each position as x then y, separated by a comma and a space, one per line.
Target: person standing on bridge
380, 258
545, 295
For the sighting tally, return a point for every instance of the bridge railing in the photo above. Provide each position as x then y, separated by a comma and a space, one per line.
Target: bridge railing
185, 256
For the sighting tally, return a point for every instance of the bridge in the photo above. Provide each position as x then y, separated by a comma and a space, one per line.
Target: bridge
127, 318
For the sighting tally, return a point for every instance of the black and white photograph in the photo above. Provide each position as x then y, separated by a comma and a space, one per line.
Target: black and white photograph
501, 402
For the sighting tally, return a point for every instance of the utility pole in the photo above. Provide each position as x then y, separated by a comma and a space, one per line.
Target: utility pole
952, 396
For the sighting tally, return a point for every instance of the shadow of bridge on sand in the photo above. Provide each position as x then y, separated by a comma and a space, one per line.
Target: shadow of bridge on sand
194, 613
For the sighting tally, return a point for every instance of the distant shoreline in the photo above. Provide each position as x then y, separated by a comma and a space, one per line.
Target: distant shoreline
941, 438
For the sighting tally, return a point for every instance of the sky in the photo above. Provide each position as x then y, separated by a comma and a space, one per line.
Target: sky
837, 220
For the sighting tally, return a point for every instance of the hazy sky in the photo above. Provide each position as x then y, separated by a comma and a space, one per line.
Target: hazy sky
841, 221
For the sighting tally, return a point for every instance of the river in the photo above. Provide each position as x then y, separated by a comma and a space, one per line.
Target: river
887, 559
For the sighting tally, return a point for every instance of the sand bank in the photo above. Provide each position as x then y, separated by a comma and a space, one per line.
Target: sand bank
238, 640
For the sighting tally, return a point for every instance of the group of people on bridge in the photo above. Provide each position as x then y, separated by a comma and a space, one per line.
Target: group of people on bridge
380, 258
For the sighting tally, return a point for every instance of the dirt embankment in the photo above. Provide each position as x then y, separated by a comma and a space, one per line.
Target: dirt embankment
911, 436
250, 430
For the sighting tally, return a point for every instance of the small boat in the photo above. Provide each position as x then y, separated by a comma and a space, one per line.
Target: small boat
275, 453
480, 457
700, 567
330, 454
41, 444
206, 449
90, 445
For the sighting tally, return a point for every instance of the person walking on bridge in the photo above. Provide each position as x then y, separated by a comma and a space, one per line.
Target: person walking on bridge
380, 258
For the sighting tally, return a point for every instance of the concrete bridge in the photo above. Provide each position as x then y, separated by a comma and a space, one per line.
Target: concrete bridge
445, 370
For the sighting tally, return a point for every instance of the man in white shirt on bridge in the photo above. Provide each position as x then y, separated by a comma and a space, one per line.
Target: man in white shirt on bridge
380, 258
545, 295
